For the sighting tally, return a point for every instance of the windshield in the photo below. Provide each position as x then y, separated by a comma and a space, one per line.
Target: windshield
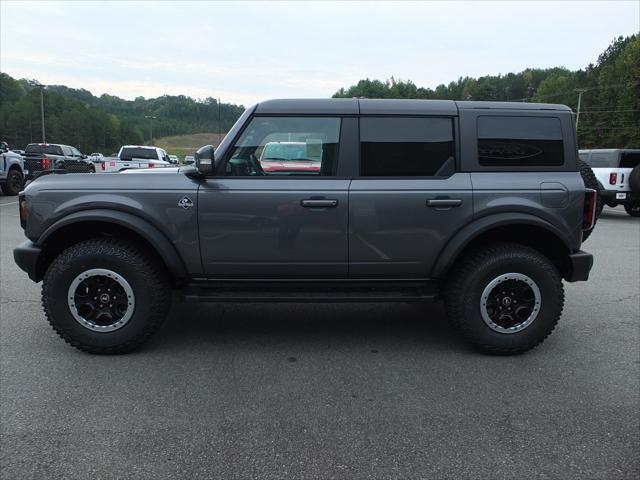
48, 149
137, 152
290, 151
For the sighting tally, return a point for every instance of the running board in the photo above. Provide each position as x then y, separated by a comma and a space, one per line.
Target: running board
310, 291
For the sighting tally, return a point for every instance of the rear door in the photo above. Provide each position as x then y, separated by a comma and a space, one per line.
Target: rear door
290, 223
408, 199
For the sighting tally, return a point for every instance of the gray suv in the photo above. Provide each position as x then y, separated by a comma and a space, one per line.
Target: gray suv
478, 204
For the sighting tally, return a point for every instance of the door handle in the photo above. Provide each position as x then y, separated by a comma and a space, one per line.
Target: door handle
312, 203
444, 202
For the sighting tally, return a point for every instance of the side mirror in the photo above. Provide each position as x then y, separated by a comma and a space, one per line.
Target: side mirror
84, 156
204, 159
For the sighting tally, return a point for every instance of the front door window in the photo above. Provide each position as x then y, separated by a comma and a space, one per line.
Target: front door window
277, 146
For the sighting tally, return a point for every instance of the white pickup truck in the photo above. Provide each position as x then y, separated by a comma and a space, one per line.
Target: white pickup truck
135, 156
618, 174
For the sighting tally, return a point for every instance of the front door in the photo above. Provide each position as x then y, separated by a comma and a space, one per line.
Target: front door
278, 211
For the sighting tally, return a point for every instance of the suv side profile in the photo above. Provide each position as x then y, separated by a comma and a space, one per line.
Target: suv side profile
479, 204
618, 175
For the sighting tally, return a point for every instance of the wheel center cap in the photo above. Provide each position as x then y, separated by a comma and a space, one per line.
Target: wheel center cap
104, 298
506, 301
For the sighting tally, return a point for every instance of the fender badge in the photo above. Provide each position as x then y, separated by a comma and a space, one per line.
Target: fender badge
185, 202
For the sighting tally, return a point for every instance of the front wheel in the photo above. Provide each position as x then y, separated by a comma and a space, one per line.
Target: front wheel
505, 299
105, 295
633, 209
14, 182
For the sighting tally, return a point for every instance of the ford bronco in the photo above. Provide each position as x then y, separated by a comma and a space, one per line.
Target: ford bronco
478, 204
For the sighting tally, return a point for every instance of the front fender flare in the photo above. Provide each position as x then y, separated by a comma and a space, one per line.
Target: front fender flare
469, 232
142, 227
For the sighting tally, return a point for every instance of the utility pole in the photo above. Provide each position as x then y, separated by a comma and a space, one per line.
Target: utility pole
580, 92
42, 109
150, 117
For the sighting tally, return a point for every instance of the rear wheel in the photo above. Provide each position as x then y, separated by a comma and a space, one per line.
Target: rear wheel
105, 295
505, 299
633, 209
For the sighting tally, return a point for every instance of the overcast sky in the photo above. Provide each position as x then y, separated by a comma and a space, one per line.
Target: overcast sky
245, 52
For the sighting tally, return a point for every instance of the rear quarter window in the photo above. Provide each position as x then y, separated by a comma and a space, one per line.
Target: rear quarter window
510, 141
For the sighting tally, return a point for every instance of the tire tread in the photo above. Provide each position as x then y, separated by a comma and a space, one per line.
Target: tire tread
155, 279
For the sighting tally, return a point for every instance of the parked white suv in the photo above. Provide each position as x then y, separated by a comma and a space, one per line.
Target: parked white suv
136, 156
618, 174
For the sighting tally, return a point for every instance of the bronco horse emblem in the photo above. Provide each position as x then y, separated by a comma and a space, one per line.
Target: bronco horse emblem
185, 202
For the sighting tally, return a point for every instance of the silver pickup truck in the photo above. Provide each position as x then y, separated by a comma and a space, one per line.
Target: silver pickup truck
477, 204
11, 170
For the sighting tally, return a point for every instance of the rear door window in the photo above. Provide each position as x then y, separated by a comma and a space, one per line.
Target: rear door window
405, 146
505, 141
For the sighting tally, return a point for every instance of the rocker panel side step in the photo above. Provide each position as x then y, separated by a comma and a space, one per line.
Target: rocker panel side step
309, 291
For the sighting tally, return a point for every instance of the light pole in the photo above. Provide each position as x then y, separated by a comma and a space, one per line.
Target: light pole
219, 126
580, 92
41, 108
150, 117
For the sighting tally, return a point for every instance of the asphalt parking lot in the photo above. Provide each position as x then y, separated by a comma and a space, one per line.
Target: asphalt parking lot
328, 391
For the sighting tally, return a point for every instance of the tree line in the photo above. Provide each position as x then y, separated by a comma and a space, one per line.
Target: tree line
79, 118
610, 107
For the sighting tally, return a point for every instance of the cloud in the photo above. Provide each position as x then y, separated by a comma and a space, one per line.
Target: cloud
245, 52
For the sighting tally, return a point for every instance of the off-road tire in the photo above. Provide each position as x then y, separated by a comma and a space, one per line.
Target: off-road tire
14, 182
147, 277
590, 181
632, 209
474, 272
634, 179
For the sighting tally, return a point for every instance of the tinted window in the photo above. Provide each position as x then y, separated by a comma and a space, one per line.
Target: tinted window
272, 146
392, 147
137, 152
629, 159
520, 141
48, 149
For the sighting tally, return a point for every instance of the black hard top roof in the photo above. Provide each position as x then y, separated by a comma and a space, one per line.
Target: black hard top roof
369, 106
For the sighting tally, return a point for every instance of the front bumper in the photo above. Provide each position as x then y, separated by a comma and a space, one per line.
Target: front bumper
27, 256
580, 264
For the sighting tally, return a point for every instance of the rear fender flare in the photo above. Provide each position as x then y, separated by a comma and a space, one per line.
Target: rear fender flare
469, 232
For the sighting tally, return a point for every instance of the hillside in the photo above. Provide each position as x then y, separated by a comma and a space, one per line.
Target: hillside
79, 118
182, 145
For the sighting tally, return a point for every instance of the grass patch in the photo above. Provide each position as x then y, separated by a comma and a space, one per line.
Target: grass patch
182, 145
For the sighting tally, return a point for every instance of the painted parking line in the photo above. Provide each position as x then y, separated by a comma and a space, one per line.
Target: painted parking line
10, 203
